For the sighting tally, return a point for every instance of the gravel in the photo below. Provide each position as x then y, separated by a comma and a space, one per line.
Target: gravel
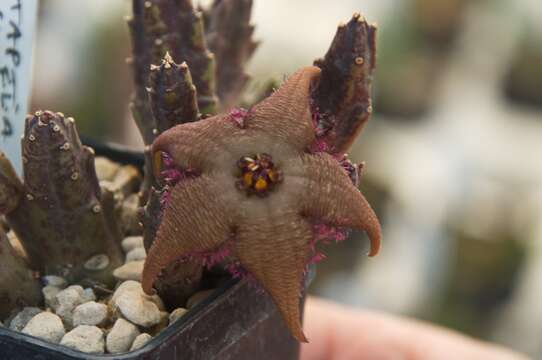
85, 338
22, 318
131, 242
140, 341
56, 281
135, 308
67, 300
77, 309
88, 295
105, 168
46, 326
136, 254
121, 337
79, 319
130, 271
134, 305
90, 313
97, 263
176, 314
49, 295
126, 286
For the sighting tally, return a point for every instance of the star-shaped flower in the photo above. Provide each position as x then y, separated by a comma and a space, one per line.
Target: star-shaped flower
250, 190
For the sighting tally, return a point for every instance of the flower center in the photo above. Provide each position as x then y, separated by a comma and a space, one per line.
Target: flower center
258, 174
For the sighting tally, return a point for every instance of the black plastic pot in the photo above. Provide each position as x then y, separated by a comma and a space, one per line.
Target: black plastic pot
235, 322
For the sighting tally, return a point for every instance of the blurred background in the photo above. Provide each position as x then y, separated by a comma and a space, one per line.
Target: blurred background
453, 151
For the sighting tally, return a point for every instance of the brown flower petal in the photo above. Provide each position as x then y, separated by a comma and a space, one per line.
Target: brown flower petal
198, 144
276, 254
331, 197
286, 114
194, 220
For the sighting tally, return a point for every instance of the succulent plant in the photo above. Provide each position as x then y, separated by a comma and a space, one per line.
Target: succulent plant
229, 37
172, 95
175, 27
342, 101
254, 190
215, 44
257, 189
57, 212
175, 51
14, 270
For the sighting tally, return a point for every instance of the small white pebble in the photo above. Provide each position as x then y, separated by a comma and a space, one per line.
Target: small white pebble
135, 287
164, 322
55, 281
88, 295
138, 309
126, 286
136, 254
46, 326
88, 339
49, 295
71, 294
105, 168
67, 300
121, 336
23, 317
129, 271
132, 242
90, 313
176, 315
97, 262
140, 340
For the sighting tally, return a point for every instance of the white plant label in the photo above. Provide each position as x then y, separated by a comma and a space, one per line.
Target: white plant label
17, 27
